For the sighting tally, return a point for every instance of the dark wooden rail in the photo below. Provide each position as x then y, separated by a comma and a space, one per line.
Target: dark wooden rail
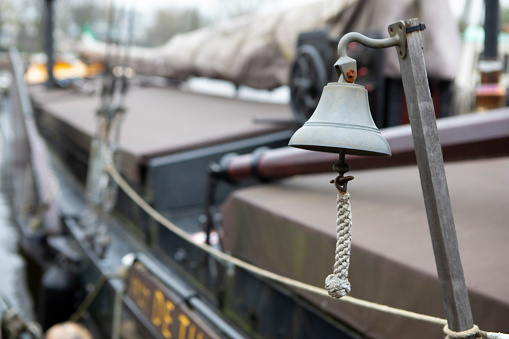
462, 137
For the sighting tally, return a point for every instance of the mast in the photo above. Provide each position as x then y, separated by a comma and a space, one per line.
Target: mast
49, 25
491, 29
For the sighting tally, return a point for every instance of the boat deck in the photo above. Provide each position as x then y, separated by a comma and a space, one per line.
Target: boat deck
289, 227
159, 121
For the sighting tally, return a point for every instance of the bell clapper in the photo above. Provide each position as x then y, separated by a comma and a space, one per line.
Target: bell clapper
341, 167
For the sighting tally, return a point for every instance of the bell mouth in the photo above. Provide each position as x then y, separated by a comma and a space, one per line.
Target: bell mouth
331, 149
342, 121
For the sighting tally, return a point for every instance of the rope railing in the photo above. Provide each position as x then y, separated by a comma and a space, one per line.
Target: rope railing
134, 196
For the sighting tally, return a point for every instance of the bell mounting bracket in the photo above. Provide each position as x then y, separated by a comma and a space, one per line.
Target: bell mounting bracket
398, 29
346, 67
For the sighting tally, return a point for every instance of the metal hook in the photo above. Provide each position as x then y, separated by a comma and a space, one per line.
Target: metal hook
341, 183
341, 167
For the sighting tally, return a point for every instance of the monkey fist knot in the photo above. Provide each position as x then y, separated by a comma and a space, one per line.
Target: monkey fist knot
337, 286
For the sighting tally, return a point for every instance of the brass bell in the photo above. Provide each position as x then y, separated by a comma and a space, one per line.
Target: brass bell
342, 122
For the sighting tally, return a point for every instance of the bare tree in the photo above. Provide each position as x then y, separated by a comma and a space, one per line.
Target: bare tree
73, 16
169, 22
26, 17
8, 24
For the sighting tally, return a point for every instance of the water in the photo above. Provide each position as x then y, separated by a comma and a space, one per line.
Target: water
13, 284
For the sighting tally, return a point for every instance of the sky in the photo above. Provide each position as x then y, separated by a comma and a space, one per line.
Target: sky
214, 10
213, 6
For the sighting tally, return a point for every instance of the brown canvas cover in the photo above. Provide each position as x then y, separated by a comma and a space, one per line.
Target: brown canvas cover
289, 228
257, 50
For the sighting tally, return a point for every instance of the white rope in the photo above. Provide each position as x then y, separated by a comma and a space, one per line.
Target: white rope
449, 334
474, 331
493, 335
262, 272
337, 283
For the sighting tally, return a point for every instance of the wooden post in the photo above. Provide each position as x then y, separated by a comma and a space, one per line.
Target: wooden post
434, 184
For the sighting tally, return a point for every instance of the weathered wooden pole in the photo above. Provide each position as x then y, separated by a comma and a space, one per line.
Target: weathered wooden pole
332, 132
434, 184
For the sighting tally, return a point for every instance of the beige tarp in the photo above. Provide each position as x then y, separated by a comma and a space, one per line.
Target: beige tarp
257, 50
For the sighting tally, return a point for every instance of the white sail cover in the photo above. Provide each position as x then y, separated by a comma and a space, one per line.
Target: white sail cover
257, 49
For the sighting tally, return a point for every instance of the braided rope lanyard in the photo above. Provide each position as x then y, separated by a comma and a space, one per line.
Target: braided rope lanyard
337, 283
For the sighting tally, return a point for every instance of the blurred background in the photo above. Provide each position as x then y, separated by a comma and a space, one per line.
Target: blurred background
21, 21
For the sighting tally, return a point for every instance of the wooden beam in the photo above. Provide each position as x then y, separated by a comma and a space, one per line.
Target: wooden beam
434, 184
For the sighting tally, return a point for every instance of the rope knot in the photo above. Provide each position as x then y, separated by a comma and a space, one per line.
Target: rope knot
450, 334
337, 286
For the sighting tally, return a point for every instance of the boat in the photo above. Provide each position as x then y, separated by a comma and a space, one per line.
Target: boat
193, 203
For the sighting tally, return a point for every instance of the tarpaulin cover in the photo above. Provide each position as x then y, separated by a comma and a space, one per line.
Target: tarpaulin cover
257, 50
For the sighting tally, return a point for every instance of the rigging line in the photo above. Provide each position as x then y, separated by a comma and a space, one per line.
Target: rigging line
117, 28
109, 37
121, 33
130, 33
110, 168
107, 77
127, 23
128, 42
